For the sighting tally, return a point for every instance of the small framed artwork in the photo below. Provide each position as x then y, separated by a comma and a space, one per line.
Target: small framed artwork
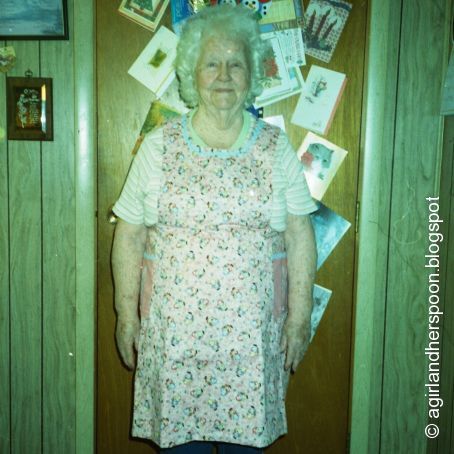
29, 108
39, 19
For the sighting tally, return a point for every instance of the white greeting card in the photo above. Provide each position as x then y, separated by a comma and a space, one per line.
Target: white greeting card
319, 99
276, 120
292, 45
321, 159
154, 66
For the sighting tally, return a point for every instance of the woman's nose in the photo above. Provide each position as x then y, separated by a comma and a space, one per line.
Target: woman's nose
224, 72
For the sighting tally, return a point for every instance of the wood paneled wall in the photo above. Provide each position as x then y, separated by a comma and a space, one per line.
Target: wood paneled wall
42, 364
407, 57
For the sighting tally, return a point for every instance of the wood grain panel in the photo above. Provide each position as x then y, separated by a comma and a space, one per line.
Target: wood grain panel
25, 263
58, 214
415, 176
375, 196
4, 282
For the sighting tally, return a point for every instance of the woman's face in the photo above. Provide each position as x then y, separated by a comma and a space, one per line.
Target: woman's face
222, 74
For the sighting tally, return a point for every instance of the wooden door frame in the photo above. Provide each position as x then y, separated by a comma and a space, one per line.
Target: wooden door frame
378, 134
385, 22
85, 193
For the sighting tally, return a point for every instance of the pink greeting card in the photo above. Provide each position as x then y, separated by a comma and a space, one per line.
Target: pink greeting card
319, 99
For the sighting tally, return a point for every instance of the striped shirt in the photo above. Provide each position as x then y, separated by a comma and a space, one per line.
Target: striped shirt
138, 201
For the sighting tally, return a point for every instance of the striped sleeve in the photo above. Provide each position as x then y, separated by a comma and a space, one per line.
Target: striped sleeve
138, 200
290, 191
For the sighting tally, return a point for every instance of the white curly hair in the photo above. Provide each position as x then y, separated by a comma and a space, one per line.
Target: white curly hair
237, 22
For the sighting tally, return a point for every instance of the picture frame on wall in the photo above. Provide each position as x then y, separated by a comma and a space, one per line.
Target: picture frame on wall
40, 19
29, 108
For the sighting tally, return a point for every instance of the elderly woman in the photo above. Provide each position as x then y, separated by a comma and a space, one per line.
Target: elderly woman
204, 212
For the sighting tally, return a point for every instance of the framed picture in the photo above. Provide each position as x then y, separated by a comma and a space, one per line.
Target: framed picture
29, 108
40, 19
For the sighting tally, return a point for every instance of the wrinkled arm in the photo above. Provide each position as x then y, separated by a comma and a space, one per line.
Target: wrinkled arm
301, 260
127, 255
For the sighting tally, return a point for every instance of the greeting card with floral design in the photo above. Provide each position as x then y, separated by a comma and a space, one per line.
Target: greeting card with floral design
296, 86
277, 79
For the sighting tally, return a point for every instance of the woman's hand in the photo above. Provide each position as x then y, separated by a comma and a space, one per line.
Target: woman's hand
127, 338
301, 263
294, 341
127, 256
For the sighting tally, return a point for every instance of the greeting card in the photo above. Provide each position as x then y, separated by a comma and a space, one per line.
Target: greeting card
182, 9
282, 81
146, 13
156, 116
321, 296
321, 160
277, 78
292, 45
281, 14
154, 66
319, 99
324, 21
329, 228
276, 120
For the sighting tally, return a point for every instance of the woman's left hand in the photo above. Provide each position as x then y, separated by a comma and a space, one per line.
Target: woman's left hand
301, 262
295, 341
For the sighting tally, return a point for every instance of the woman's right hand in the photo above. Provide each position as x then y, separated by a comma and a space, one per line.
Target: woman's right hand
127, 338
127, 257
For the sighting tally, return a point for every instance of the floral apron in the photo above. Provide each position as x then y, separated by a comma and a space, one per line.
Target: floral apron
212, 308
